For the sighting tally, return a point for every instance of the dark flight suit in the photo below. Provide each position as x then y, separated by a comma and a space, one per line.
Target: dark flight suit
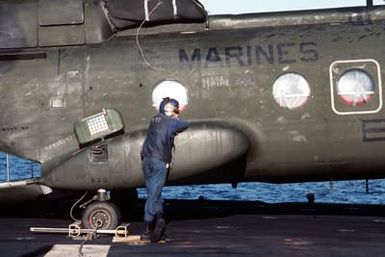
156, 155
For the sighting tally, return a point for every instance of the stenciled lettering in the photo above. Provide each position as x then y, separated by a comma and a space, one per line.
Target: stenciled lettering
284, 50
281, 53
309, 52
195, 57
268, 54
214, 81
235, 52
249, 55
213, 57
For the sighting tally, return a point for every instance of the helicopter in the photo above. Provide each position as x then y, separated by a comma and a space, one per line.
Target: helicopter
274, 97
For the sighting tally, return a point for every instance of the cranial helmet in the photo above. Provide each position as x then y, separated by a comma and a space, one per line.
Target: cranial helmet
171, 101
174, 102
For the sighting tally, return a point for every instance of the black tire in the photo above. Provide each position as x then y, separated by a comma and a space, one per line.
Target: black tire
101, 215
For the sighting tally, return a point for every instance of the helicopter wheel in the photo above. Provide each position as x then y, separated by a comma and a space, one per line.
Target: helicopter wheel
101, 215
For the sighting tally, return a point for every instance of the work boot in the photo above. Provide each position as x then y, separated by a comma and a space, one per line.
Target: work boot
146, 234
158, 232
164, 235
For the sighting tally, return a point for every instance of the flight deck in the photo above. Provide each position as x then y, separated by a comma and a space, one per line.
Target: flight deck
219, 228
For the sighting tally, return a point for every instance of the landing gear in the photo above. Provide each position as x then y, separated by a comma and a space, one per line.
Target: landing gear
101, 215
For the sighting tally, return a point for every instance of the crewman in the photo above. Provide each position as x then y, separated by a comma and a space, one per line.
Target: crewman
156, 159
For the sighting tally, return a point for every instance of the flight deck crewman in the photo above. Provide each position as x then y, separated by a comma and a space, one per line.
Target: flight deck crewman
156, 158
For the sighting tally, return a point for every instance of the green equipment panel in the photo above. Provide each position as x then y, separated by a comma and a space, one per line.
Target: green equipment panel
98, 126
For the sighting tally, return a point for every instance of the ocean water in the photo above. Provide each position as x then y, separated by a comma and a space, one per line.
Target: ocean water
349, 192
19, 168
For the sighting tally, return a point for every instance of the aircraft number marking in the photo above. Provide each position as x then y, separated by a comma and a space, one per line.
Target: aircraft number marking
99, 180
14, 128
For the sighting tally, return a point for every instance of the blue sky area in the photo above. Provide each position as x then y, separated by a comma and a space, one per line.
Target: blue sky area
248, 6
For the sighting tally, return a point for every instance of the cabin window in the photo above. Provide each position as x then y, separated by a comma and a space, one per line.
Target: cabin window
356, 86
291, 90
173, 89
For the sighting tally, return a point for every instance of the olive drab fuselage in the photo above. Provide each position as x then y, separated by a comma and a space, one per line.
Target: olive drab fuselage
282, 97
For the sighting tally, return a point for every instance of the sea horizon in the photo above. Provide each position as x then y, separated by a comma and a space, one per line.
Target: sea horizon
347, 192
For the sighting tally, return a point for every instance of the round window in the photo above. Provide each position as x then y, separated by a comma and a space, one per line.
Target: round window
291, 90
173, 89
355, 87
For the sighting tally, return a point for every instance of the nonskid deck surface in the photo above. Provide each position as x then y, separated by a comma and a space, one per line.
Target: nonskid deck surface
215, 228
